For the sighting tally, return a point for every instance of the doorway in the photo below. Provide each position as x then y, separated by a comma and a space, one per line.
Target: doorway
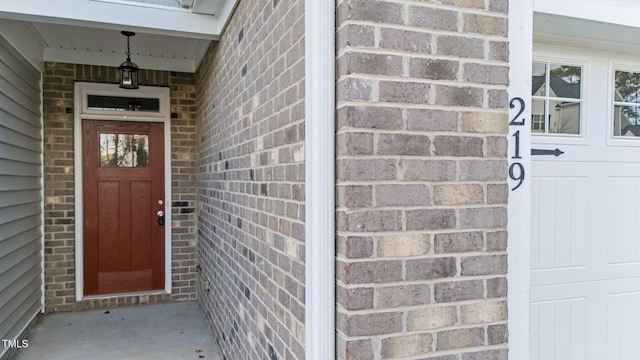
123, 224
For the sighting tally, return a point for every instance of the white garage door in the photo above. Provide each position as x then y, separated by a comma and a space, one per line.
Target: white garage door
585, 250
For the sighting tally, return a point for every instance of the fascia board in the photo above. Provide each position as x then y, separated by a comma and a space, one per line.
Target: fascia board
117, 15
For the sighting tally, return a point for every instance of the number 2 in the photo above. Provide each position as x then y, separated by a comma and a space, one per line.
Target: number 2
515, 120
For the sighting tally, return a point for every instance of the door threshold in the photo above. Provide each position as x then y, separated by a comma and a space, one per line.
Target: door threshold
120, 295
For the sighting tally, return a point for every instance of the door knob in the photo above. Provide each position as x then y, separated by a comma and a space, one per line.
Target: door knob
160, 218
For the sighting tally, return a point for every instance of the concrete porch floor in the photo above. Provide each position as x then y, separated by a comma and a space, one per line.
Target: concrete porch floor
161, 331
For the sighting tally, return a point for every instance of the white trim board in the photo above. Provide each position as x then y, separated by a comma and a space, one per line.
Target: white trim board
518, 248
320, 105
81, 90
42, 193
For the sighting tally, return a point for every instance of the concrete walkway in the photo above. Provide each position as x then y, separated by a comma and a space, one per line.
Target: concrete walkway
163, 331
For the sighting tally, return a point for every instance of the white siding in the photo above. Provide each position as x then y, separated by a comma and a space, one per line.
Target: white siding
20, 192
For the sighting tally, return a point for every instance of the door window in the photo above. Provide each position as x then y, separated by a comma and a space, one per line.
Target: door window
124, 150
556, 91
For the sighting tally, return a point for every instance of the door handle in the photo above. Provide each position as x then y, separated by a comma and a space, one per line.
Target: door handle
161, 218
555, 152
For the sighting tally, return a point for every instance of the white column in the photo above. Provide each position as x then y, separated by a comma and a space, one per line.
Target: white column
319, 179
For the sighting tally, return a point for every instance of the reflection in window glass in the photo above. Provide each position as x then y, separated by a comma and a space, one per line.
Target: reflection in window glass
124, 150
538, 120
539, 80
564, 117
557, 98
626, 110
565, 81
627, 87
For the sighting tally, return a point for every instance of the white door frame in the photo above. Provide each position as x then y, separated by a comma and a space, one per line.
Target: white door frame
81, 112
519, 206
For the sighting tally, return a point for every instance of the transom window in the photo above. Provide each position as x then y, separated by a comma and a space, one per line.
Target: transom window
556, 91
120, 103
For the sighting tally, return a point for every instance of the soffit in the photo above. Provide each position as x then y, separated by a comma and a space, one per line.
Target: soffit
107, 47
579, 32
170, 35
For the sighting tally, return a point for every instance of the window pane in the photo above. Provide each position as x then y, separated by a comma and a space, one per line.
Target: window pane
627, 86
626, 121
564, 117
538, 79
538, 122
565, 81
124, 150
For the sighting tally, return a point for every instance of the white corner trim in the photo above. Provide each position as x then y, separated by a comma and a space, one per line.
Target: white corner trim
518, 249
319, 179
42, 194
80, 113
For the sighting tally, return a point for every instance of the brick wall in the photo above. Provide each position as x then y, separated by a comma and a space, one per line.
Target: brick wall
251, 182
59, 237
421, 179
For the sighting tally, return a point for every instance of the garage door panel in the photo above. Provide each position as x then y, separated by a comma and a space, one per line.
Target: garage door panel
623, 323
623, 204
559, 219
589, 321
558, 329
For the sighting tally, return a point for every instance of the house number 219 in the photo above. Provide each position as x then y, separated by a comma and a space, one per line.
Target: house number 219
516, 169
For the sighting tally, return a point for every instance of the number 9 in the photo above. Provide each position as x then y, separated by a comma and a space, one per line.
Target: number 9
520, 176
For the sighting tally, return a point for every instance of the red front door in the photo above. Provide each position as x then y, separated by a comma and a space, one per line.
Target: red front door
123, 190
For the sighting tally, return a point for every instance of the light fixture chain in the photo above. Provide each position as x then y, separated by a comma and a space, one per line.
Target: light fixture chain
128, 51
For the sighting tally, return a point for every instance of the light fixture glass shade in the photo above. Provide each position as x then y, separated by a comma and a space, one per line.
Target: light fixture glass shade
129, 75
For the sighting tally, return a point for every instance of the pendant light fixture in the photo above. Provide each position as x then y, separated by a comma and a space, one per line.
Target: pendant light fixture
128, 70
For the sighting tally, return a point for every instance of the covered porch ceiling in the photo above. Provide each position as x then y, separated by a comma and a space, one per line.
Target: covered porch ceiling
170, 35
